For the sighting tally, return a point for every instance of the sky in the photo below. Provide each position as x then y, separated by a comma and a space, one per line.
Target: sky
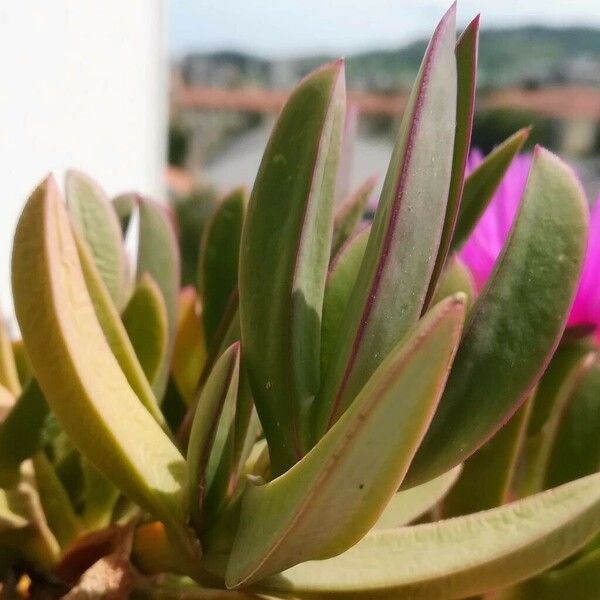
283, 28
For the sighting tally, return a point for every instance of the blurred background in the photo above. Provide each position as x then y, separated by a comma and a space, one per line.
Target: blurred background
176, 98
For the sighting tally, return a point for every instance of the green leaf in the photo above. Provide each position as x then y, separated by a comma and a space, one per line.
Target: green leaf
96, 220
481, 185
516, 322
77, 371
189, 353
145, 320
569, 365
100, 497
576, 451
9, 376
487, 476
115, 332
124, 205
286, 242
346, 160
394, 276
341, 278
219, 258
580, 580
466, 72
59, 512
456, 277
208, 437
458, 557
22, 430
158, 255
335, 494
350, 213
408, 505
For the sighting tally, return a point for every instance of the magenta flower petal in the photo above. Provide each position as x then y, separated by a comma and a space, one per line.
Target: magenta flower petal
485, 243
586, 307
487, 240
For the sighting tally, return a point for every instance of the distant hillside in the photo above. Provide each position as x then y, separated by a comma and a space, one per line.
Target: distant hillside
511, 56
506, 57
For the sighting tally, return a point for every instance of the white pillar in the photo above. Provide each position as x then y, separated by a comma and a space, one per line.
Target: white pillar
83, 84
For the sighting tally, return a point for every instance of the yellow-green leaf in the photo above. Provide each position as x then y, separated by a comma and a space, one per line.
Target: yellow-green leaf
77, 371
392, 283
115, 333
408, 505
96, 220
189, 354
145, 320
456, 558
336, 493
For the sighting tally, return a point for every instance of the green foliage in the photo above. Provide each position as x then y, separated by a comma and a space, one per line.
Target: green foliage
278, 430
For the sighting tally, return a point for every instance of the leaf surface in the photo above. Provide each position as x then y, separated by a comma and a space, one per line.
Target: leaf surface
341, 278
350, 213
336, 493
207, 437
145, 320
458, 557
96, 220
516, 323
219, 259
392, 283
481, 185
77, 371
408, 505
158, 255
284, 257
466, 76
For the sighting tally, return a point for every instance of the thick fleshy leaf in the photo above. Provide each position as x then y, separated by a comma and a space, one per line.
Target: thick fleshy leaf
208, 438
569, 365
96, 220
100, 497
336, 493
516, 322
487, 475
22, 430
77, 371
576, 451
145, 320
189, 353
350, 213
219, 258
124, 205
158, 255
394, 276
341, 278
408, 505
22, 362
33, 542
346, 160
456, 558
579, 580
285, 251
466, 72
455, 278
115, 332
482, 183
57, 506
9, 376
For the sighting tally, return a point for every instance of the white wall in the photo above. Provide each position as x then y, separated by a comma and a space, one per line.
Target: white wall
83, 84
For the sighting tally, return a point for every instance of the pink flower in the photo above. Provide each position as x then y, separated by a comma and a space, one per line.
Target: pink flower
485, 243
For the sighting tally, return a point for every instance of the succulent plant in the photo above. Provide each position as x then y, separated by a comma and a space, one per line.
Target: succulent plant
336, 410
